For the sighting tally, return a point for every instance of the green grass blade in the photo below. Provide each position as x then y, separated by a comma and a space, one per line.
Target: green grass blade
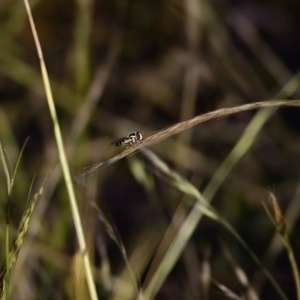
6, 172
278, 220
18, 162
63, 160
240, 149
187, 228
30, 189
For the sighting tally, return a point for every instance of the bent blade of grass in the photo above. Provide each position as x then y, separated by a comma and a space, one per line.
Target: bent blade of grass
179, 127
5, 168
291, 86
63, 160
11, 178
235, 155
202, 207
239, 150
195, 215
18, 162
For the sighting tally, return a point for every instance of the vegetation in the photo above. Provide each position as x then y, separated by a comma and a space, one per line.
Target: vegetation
193, 211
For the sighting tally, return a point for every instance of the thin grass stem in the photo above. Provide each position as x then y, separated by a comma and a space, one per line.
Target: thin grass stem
179, 127
63, 161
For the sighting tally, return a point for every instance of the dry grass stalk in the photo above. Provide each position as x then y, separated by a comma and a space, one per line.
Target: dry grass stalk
279, 222
179, 127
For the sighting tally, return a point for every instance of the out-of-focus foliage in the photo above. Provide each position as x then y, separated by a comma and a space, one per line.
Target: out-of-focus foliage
121, 66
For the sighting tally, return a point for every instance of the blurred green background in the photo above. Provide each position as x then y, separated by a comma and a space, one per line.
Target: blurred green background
121, 66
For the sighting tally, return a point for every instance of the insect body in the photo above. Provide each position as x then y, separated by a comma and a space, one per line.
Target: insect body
130, 139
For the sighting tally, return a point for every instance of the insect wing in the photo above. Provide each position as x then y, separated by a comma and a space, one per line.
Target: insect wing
118, 142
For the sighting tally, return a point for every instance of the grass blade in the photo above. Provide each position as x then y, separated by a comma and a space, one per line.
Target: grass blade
179, 127
63, 160
6, 172
187, 228
18, 162
279, 223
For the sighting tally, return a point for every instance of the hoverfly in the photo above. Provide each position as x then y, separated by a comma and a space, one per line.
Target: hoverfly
129, 140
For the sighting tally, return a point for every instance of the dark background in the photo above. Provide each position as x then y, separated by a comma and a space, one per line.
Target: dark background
121, 66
